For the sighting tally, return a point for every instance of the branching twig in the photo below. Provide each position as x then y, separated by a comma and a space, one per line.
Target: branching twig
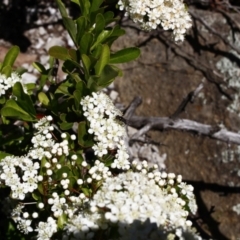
146, 124
213, 31
189, 98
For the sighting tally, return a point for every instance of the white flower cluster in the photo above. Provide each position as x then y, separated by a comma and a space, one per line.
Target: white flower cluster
46, 229
22, 174
170, 14
108, 132
141, 204
6, 83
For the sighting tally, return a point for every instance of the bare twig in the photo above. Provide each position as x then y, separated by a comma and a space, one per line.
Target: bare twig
146, 124
189, 98
224, 39
132, 107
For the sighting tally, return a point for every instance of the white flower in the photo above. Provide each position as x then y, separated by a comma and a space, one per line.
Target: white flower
46, 229
108, 132
170, 14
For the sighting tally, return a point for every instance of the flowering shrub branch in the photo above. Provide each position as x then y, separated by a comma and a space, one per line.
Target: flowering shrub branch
51, 188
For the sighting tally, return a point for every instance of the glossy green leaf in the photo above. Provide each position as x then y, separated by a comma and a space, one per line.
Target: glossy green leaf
30, 86
86, 43
124, 55
66, 126
62, 221
59, 52
12, 109
10, 57
107, 76
85, 7
101, 38
2, 99
7, 70
84, 138
103, 60
99, 23
43, 99
86, 191
23, 99
86, 64
71, 28
76, 1
97, 51
21, 70
36, 196
75, 76
21, 108
109, 17
40, 188
95, 5
73, 54
39, 67
77, 94
117, 32
62, 8
81, 27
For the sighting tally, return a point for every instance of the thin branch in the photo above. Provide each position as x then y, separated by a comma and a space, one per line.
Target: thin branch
146, 124
224, 39
129, 111
189, 98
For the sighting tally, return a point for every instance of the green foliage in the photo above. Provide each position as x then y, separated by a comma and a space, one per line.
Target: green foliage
90, 67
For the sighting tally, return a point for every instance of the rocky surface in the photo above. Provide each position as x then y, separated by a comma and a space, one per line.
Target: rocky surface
163, 78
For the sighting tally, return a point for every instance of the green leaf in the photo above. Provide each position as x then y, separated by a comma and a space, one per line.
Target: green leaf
85, 43
62, 221
21, 70
103, 60
59, 52
36, 196
86, 191
22, 107
73, 54
109, 17
97, 51
7, 70
23, 99
42, 97
124, 55
84, 138
101, 37
66, 126
81, 27
117, 32
3, 155
76, 1
86, 64
85, 7
39, 67
95, 5
12, 109
10, 57
107, 76
77, 94
2, 99
62, 8
100, 23
71, 28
